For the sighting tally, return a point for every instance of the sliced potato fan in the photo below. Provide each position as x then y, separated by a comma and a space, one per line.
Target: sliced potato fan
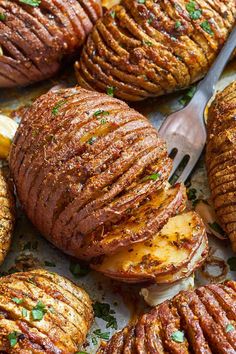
145, 221
171, 254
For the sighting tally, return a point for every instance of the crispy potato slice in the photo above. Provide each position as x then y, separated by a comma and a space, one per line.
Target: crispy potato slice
171, 254
144, 222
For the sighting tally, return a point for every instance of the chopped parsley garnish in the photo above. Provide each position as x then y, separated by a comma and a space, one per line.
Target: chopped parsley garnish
49, 264
78, 270
216, 227
33, 3
178, 337
103, 121
13, 338
58, 105
38, 311
17, 300
148, 43
81, 353
178, 24
92, 140
141, 1
207, 27
194, 12
101, 112
2, 16
187, 97
229, 328
99, 334
153, 177
113, 14
232, 263
104, 311
191, 193
110, 91
24, 312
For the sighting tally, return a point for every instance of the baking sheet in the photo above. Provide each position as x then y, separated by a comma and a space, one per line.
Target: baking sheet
29, 249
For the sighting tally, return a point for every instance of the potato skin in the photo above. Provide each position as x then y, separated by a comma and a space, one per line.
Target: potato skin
83, 162
204, 316
7, 213
220, 158
65, 322
150, 48
34, 39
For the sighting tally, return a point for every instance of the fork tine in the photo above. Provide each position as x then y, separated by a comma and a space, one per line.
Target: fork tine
188, 168
176, 161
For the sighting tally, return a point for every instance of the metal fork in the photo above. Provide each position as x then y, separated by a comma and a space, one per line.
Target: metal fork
185, 131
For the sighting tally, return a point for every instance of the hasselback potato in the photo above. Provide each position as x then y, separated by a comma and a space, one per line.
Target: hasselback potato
143, 49
83, 162
35, 35
221, 158
200, 321
42, 312
7, 213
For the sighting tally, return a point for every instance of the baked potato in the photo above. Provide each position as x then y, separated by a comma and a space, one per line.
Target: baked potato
149, 48
42, 312
7, 213
36, 35
220, 158
83, 162
168, 256
200, 321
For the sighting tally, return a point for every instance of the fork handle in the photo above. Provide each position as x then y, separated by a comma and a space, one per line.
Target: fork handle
206, 87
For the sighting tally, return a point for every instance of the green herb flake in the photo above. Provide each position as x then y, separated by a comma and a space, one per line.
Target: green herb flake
188, 96
79, 270
34, 3
148, 43
103, 121
141, 1
110, 91
216, 227
38, 311
17, 300
178, 24
153, 177
2, 16
24, 312
13, 338
101, 112
92, 140
229, 328
178, 337
232, 263
94, 341
104, 311
49, 264
194, 12
81, 353
58, 105
99, 334
113, 14
207, 27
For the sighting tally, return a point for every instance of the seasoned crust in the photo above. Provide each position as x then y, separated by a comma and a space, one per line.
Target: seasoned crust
220, 158
147, 49
83, 162
204, 317
34, 39
67, 313
7, 213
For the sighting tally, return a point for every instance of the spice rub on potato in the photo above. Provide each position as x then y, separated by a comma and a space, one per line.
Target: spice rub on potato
200, 321
36, 35
83, 162
142, 49
7, 213
42, 312
221, 158
170, 255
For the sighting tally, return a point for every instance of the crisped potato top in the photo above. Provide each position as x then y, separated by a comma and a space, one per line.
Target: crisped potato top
42, 312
